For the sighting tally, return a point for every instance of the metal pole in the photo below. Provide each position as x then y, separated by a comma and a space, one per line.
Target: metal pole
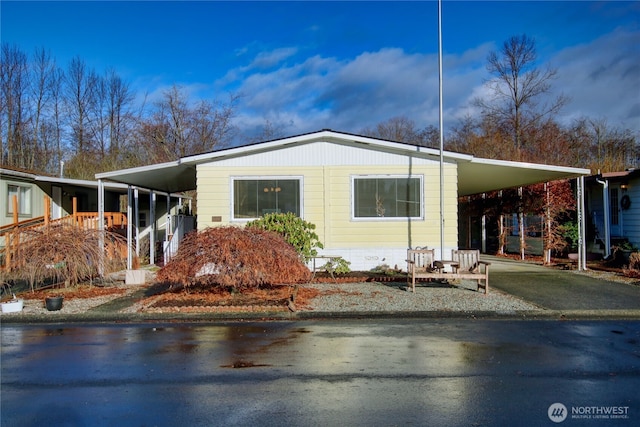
440, 110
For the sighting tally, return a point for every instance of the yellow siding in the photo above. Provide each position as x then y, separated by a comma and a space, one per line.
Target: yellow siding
330, 210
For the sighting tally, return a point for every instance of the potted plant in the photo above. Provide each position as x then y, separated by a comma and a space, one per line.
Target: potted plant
14, 305
571, 237
54, 302
622, 252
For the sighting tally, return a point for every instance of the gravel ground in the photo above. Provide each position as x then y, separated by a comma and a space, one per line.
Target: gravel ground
377, 297
359, 297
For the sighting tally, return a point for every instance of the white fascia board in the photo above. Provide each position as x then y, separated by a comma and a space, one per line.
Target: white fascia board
157, 166
525, 165
17, 174
327, 136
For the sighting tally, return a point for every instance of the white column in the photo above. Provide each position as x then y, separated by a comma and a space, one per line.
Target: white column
129, 229
101, 227
152, 235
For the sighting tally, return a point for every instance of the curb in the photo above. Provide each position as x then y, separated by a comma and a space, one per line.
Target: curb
120, 318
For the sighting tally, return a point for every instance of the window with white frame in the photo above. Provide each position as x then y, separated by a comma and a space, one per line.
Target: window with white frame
23, 194
254, 197
387, 196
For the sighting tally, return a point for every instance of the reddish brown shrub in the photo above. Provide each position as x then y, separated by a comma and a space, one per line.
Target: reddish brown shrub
66, 253
235, 258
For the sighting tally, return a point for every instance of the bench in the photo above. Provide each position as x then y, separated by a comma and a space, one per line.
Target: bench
465, 264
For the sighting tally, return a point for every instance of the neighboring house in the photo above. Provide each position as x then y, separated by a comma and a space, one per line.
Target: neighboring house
613, 204
370, 199
31, 190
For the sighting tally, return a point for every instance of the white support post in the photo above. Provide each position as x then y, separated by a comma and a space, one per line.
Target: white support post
582, 252
137, 220
152, 221
484, 225
129, 230
101, 227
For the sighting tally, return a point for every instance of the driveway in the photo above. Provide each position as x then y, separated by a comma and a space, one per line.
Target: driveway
560, 289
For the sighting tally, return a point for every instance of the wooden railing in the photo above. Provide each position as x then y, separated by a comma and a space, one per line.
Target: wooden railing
14, 233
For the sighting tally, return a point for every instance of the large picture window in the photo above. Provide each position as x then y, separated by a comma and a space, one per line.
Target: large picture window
387, 197
24, 199
252, 198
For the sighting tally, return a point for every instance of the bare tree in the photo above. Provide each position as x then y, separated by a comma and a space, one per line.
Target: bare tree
80, 85
120, 98
517, 87
403, 129
179, 128
14, 80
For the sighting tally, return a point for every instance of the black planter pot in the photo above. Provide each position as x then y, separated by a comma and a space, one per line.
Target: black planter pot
53, 303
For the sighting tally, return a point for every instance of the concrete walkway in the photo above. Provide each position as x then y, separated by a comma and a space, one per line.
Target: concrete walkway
555, 289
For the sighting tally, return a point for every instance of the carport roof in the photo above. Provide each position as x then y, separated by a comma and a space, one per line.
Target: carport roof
475, 175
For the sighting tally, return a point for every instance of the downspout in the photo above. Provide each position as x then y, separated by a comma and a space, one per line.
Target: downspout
605, 207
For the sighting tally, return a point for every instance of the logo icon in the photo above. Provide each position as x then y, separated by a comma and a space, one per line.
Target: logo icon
557, 412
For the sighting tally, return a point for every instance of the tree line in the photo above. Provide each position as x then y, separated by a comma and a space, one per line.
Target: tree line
518, 121
95, 122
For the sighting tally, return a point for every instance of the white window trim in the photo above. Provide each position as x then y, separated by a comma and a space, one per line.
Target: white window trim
29, 191
233, 178
383, 219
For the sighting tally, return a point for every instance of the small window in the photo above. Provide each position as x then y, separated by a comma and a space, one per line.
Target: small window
142, 219
613, 206
24, 199
253, 198
387, 197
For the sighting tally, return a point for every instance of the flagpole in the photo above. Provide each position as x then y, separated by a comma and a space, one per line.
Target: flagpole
441, 130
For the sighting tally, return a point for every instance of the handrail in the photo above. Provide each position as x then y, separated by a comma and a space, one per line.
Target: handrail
24, 223
87, 220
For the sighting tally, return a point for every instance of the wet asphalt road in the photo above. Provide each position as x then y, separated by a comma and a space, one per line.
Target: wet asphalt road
456, 372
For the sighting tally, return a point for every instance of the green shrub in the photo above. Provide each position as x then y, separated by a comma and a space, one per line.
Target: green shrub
337, 265
297, 232
569, 231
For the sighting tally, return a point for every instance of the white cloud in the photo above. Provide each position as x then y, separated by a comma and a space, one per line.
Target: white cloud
602, 79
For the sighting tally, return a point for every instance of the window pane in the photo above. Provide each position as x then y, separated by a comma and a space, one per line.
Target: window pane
254, 198
387, 197
245, 202
24, 199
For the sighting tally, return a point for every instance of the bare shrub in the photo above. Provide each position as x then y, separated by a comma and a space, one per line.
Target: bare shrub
235, 258
634, 261
66, 253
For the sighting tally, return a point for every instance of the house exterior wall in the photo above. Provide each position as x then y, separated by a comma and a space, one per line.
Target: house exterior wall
629, 219
631, 216
36, 199
327, 170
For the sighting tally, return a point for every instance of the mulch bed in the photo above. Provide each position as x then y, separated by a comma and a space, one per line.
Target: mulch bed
73, 293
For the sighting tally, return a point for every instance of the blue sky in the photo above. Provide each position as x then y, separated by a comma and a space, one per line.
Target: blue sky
306, 66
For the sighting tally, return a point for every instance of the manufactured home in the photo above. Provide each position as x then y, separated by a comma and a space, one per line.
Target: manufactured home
370, 199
